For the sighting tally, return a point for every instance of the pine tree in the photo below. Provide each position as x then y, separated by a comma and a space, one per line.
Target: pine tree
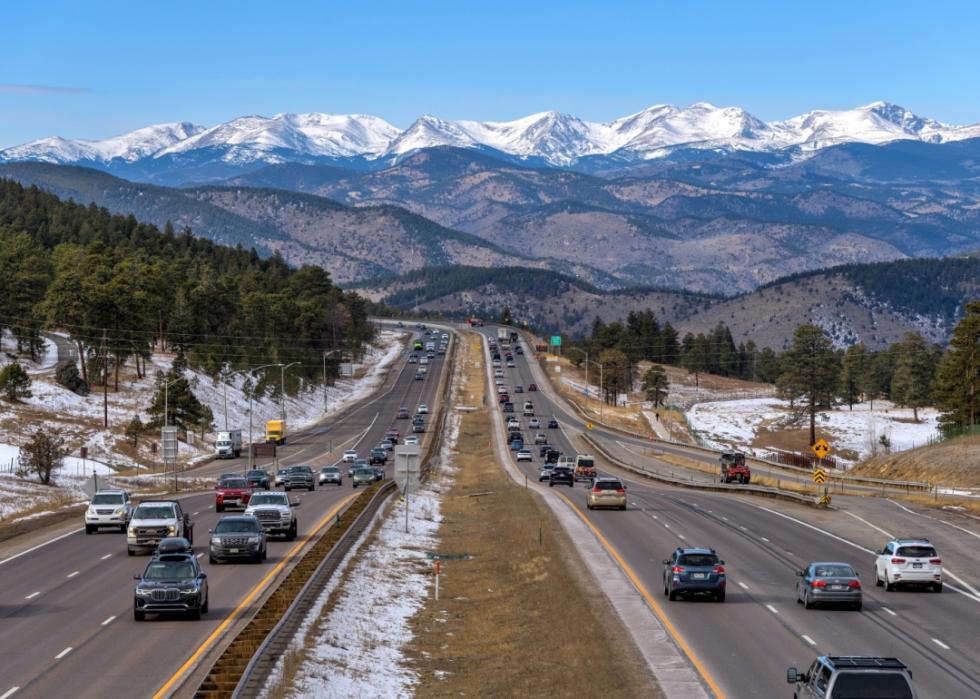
42, 455
15, 383
670, 353
656, 385
957, 389
912, 378
616, 375
810, 372
855, 366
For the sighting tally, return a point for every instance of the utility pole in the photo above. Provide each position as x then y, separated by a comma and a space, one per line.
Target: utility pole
324, 381
105, 381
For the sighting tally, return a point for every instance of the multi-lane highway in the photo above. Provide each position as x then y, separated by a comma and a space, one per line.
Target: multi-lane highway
66, 606
746, 643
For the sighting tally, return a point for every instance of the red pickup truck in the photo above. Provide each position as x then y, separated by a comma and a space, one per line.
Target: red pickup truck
231, 492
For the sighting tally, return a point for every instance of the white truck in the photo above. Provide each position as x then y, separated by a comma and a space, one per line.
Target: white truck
228, 445
503, 337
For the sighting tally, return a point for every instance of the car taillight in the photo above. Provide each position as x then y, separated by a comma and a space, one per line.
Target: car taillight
720, 570
597, 490
936, 561
856, 584
898, 560
818, 583
620, 490
677, 569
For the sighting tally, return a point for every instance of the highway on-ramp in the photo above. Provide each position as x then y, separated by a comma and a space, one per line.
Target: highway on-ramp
66, 608
746, 643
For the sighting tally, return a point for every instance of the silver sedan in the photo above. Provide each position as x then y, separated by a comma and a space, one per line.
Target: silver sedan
831, 582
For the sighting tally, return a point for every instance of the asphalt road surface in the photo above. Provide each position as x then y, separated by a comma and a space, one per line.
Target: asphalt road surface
66, 620
747, 642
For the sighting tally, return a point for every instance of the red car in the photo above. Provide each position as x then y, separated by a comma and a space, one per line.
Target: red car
532, 387
231, 492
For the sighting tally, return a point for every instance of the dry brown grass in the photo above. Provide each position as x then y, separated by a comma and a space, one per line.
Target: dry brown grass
520, 618
954, 463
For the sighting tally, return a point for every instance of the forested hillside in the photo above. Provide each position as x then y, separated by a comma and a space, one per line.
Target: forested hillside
120, 288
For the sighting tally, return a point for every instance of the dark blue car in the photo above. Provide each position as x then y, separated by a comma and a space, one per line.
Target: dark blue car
694, 571
517, 445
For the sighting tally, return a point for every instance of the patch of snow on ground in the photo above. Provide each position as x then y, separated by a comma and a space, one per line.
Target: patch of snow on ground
734, 423
357, 651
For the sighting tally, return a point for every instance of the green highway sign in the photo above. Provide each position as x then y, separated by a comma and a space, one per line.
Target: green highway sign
435, 555
556, 340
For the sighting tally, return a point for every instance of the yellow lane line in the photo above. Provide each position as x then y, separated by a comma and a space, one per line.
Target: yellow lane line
634, 578
204, 647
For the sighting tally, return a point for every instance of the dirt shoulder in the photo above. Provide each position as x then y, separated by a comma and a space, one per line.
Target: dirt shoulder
520, 617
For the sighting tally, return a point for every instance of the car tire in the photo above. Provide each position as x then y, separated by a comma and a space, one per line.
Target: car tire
88, 529
265, 553
138, 615
206, 605
889, 586
550, 484
212, 560
571, 484
623, 508
122, 528
195, 614
292, 532
312, 488
878, 582
219, 508
672, 596
807, 604
858, 606
720, 596
938, 587
131, 552
588, 506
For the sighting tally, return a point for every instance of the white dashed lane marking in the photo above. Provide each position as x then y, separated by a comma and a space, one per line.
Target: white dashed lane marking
889, 611
772, 609
940, 644
743, 585
32, 595
63, 653
72, 574
108, 555
808, 639
9, 693
108, 621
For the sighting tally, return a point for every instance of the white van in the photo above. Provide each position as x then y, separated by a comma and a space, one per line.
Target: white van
528, 408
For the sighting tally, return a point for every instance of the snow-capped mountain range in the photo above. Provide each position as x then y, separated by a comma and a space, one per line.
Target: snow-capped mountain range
549, 137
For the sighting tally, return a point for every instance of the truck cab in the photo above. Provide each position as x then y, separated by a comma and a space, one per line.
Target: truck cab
734, 468
154, 520
228, 444
275, 432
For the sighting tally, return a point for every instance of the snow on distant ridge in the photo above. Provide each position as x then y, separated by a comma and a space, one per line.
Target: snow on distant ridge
557, 138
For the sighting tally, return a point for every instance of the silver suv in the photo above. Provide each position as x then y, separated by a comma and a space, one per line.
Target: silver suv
836, 676
108, 508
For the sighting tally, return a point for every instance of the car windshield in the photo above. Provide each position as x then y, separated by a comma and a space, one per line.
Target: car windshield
257, 474
270, 499
236, 525
329, 469
917, 551
169, 570
108, 499
154, 512
698, 560
871, 685
833, 571
586, 463
364, 472
299, 469
234, 483
608, 485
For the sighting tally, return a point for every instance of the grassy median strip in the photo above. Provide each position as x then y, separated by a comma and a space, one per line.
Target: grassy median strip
521, 617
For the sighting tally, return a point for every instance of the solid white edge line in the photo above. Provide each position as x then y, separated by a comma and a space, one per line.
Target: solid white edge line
940, 644
40, 546
108, 621
890, 611
808, 639
873, 526
32, 595
850, 543
9, 693
772, 609
935, 519
63, 653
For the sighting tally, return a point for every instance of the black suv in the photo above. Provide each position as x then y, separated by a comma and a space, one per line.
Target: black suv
853, 676
691, 571
562, 474
237, 537
378, 456
171, 582
299, 477
258, 478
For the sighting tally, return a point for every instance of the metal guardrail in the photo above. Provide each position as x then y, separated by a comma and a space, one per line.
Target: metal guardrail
907, 485
811, 500
276, 643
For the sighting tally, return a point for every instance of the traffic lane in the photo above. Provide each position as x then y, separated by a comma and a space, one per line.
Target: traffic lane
74, 610
231, 583
127, 658
776, 573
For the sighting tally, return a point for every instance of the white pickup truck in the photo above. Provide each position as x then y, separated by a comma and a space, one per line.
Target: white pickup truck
154, 520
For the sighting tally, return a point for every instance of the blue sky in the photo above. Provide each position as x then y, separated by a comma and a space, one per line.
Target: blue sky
133, 63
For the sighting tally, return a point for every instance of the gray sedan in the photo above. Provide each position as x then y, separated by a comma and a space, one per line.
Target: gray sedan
832, 582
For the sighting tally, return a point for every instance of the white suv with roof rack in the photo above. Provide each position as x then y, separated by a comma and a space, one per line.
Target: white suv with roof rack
909, 562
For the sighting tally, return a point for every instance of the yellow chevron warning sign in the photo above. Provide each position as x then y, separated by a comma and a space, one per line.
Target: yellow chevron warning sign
825, 500
819, 475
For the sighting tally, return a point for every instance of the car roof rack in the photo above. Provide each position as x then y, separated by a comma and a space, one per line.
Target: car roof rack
865, 661
913, 539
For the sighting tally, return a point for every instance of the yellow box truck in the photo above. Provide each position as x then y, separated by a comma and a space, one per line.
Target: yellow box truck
275, 432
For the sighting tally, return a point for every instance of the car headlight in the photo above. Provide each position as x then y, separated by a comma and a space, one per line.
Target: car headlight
172, 529
132, 531
143, 592
120, 511
216, 540
253, 539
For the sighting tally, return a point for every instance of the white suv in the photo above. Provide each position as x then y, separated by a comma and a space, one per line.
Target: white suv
350, 456
909, 561
108, 508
